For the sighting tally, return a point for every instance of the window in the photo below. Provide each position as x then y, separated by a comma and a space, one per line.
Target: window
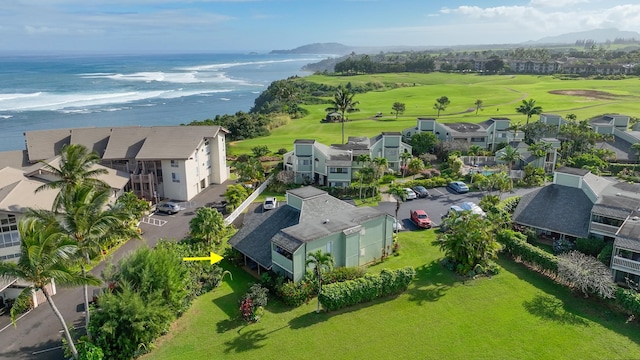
362, 252
607, 221
208, 164
10, 256
175, 178
304, 162
477, 139
329, 247
174, 163
282, 252
338, 170
9, 232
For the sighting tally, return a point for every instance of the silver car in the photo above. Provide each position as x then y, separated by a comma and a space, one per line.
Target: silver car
270, 203
168, 208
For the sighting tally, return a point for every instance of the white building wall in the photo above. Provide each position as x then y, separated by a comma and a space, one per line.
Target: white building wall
218, 157
175, 178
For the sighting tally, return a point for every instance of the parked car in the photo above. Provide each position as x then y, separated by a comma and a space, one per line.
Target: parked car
458, 186
410, 194
420, 218
168, 208
473, 208
270, 203
397, 225
421, 191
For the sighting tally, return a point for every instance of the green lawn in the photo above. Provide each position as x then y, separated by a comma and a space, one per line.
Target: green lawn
514, 315
501, 95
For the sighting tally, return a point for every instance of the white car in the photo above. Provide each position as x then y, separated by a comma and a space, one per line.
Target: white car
473, 208
270, 203
410, 194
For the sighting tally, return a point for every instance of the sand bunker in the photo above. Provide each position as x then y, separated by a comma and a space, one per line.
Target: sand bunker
593, 94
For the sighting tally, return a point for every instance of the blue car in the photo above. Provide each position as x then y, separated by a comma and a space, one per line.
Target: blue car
458, 186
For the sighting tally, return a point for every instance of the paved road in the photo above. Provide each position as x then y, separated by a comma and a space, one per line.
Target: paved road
38, 333
437, 204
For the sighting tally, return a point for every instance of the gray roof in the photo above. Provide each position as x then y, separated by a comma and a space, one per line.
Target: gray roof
306, 192
572, 171
44, 144
254, 237
601, 120
557, 208
125, 142
630, 230
628, 244
18, 159
620, 147
94, 139
174, 142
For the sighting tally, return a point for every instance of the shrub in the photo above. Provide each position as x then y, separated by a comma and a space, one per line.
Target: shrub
348, 293
343, 274
253, 303
437, 181
561, 246
509, 204
282, 151
586, 273
387, 179
296, 294
590, 246
516, 245
629, 300
606, 253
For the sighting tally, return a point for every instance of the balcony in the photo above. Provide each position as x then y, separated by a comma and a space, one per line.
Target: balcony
604, 229
624, 264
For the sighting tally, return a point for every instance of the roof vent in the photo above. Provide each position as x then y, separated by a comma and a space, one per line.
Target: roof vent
618, 194
325, 221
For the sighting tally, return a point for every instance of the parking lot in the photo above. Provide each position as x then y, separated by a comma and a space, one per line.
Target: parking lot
437, 204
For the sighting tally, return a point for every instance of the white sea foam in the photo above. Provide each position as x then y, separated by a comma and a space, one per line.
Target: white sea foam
149, 76
6, 116
225, 99
80, 102
214, 67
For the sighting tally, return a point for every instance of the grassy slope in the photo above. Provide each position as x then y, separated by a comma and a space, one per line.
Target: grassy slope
515, 315
501, 94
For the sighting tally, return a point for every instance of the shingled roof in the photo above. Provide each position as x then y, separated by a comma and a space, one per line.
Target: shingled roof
254, 237
556, 208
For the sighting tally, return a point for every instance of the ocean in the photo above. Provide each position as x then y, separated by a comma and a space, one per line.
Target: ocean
52, 92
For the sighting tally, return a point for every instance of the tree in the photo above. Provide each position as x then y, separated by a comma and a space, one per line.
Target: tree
509, 155
321, 262
478, 105
469, 242
398, 107
87, 221
379, 166
540, 149
133, 206
366, 175
75, 168
250, 171
494, 65
415, 165
441, 104
343, 103
45, 254
208, 224
235, 195
529, 108
400, 195
423, 142
404, 157
636, 147
260, 150
587, 274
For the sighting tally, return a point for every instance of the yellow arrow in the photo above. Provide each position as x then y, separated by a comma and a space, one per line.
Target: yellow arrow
214, 258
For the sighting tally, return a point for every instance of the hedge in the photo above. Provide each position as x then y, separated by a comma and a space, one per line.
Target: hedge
629, 299
348, 293
516, 245
509, 204
296, 294
437, 181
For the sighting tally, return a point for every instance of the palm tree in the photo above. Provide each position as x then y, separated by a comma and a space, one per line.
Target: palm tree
343, 103
416, 165
404, 157
321, 262
529, 108
540, 149
510, 155
89, 223
75, 168
380, 165
400, 195
515, 127
207, 224
46, 253
478, 105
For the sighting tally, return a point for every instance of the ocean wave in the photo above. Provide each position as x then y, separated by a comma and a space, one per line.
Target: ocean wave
83, 101
214, 67
6, 116
191, 77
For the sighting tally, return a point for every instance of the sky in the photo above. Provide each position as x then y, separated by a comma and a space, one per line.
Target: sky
144, 26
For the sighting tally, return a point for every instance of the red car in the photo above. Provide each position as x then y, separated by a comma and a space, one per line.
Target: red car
421, 219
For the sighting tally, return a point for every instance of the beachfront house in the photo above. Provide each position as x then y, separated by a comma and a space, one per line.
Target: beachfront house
315, 163
162, 162
312, 220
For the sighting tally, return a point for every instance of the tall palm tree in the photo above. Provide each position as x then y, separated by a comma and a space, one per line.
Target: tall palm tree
379, 165
400, 195
404, 158
75, 168
529, 108
343, 103
208, 224
89, 222
510, 155
46, 254
321, 262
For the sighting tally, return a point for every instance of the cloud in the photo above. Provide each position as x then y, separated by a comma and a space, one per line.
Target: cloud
556, 3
